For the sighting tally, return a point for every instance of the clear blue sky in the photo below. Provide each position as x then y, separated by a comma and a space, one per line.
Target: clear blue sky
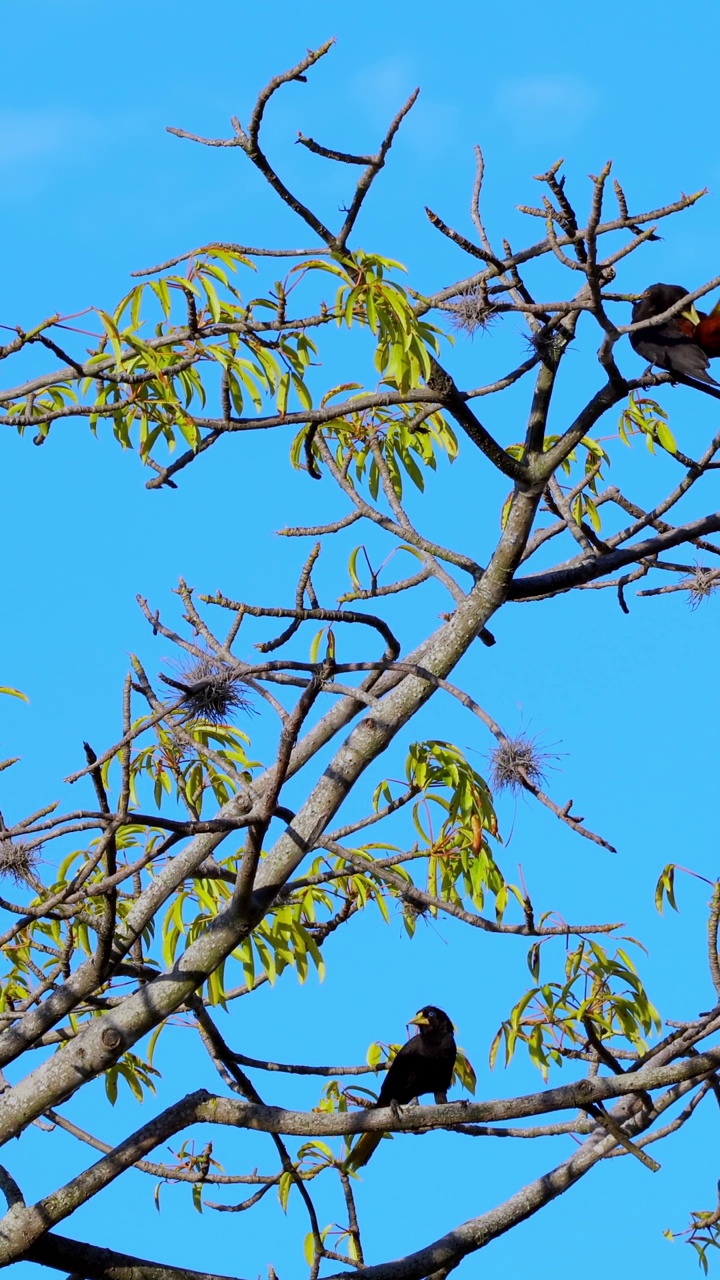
92, 187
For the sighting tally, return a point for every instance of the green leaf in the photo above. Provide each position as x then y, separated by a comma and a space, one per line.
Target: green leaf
496, 1042
309, 1248
13, 693
352, 567
153, 1041
282, 395
666, 888
465, 1072
284, 1187
665, 437
315, 646
593, 513
302, 392
374, 1055
111, 1089
162, 293
112, 332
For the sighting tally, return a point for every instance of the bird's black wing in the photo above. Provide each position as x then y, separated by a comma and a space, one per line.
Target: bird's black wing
666, 347
404, 1080
423, 1065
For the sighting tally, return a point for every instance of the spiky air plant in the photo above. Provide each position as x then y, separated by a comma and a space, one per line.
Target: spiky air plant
470, 312
18, 860
212, 691
517, 759
547, 343
702, 585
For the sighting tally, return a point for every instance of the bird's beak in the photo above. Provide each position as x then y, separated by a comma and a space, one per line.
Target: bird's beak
691, 314
419, 1021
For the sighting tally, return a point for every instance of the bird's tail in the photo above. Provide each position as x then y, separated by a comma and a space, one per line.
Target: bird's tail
363, 1149
699, 383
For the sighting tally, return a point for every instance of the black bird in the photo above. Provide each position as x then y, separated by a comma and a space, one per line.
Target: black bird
671, 345
423, 1065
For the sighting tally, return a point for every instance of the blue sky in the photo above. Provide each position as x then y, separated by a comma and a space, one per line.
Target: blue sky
91, 188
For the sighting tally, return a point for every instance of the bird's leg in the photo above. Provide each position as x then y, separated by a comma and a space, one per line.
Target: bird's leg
441, 1098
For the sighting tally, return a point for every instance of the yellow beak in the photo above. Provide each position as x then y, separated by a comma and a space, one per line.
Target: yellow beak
419, 1021
691, 314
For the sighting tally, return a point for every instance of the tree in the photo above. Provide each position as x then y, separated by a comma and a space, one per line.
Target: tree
163, 911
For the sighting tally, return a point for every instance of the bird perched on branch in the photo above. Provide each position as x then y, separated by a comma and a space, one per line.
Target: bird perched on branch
423, 1065
672, 345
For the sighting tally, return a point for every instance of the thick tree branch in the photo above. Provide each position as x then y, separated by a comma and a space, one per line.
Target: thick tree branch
94, 1263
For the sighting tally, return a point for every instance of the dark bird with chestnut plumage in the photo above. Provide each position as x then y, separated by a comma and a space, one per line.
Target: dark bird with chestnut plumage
673, 344
424, 1065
